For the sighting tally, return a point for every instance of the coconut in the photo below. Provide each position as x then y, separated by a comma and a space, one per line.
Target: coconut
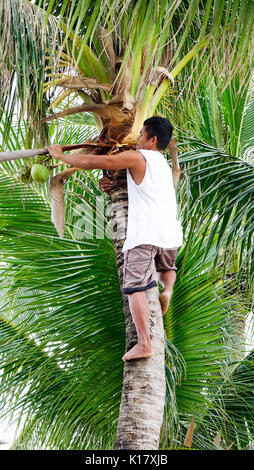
39, 173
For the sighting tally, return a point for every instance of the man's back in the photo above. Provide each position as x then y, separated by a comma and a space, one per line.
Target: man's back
152, 208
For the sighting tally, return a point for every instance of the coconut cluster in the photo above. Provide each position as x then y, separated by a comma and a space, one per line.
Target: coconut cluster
39, 173
36, 170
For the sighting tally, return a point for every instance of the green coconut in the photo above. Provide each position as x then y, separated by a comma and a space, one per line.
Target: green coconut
39, 173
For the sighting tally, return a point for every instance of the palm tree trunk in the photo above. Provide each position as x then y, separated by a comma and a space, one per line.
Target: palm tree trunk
144, 387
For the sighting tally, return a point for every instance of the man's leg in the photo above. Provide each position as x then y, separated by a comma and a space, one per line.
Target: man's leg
167, 279
140, 311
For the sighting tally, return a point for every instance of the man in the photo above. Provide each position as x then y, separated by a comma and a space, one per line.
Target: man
153, 231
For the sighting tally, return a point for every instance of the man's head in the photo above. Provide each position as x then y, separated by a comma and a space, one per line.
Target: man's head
155, 134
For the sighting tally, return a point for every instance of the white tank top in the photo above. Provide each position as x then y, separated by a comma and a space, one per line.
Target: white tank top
152, 207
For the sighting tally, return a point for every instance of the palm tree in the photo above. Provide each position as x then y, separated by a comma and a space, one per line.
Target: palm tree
121, 72
61, 315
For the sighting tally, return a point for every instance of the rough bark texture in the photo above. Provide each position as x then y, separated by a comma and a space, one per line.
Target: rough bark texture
144, 388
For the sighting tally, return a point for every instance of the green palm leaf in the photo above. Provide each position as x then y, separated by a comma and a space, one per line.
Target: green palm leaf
67, 317
62, 331
220, 189
67, 295
202, 324
247, 138
232, 410
37, 43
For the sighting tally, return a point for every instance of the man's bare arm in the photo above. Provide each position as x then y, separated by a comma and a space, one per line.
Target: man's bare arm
120, 161
176, 170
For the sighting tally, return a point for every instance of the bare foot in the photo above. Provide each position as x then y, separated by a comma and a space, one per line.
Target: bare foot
164, 300
137, 352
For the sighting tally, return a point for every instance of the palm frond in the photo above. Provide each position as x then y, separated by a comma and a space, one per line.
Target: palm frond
219, 188
218, 115
246, 136
137, 37
202, 324
65, 309
62, 315
232, 410
61, 319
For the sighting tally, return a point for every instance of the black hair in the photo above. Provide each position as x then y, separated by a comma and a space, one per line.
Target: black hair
161, 128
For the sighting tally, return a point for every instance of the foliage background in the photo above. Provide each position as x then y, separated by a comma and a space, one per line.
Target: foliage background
61, 318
